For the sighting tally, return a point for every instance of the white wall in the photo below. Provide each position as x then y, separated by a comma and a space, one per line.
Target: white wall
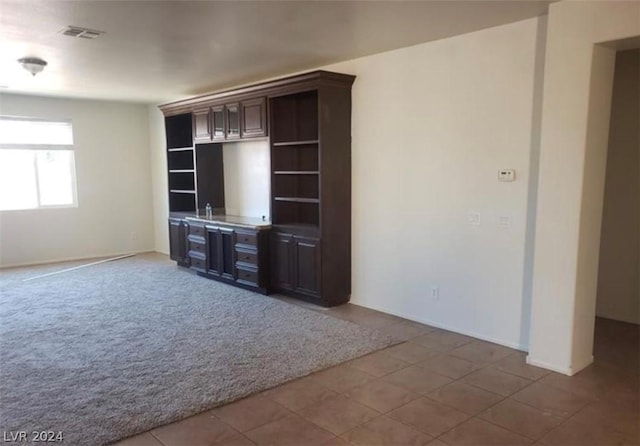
432, 125
114, 213
576, 104
247, 173
618, 275
159, 178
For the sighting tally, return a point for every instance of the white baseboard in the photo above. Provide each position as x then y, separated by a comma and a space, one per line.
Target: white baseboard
569, 371
73, 259
473, 334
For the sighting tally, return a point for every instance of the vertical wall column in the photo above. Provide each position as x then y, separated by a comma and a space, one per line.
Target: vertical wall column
576, 108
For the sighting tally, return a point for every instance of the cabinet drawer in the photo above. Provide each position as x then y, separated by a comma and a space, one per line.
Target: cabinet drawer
198, 264
246, 238
197, 230
196, 239
247, 275
197, 247
248, 257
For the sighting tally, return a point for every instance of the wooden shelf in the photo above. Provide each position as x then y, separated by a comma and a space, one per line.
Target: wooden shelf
179, 149
295, 143
181, 170
296, 172
177, 191
297, 200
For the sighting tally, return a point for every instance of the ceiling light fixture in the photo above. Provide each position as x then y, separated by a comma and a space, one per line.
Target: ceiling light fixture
33, 65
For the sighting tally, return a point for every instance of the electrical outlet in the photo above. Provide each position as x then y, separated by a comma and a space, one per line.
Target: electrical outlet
473, 218
507, 175
133, 236
435, 292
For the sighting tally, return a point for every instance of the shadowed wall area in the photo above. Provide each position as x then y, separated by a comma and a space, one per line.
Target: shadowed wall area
618, 279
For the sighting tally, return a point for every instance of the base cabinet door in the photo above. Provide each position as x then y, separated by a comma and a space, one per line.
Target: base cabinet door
296, 264
178, 243
213, 247
282, 261
227, 255
220, 249
306, 261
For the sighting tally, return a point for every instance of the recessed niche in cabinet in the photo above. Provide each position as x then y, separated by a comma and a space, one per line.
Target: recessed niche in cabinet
181, 181
210, 174
180, 160
178, 131
295, 158
182, 201
289, 212
295, 185
295, 117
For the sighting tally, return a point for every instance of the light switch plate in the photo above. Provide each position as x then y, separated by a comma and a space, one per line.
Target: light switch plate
473, 218
504, 221
506, 175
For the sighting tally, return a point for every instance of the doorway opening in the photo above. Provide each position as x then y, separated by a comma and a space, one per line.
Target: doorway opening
617, 325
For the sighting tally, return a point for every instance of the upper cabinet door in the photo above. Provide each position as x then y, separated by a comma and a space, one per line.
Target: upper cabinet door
201, 125
233, 120
254, 118
217, 123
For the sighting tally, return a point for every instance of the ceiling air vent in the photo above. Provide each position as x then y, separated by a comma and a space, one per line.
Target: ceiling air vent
83, 33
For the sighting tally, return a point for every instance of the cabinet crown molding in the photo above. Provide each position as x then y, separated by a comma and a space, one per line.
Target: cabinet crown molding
275, 87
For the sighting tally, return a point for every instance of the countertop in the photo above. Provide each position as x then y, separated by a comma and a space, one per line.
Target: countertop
230, 220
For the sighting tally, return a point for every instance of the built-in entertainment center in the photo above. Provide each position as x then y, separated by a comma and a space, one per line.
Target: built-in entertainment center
305, 249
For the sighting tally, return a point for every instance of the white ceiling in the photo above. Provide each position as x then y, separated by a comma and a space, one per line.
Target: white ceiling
159, 50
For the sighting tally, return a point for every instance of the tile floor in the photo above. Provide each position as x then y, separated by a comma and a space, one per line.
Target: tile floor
438, 388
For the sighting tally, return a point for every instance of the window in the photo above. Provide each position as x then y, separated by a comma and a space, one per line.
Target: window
37, 164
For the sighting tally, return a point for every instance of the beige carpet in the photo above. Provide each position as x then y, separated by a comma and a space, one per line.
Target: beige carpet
103, 352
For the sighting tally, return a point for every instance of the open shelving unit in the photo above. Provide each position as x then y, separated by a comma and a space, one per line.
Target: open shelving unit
306, 251
188, 191
180, 163
295, 179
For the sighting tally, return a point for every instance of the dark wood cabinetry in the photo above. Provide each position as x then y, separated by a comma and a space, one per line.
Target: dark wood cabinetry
195, 172
181, 163
235, 255
202, 125
310, 185
306, 264
282, 261
296, 264
232, 118
307, 119
218, 125
232, 121
178, 232
197, 250
239, 256
254, 118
